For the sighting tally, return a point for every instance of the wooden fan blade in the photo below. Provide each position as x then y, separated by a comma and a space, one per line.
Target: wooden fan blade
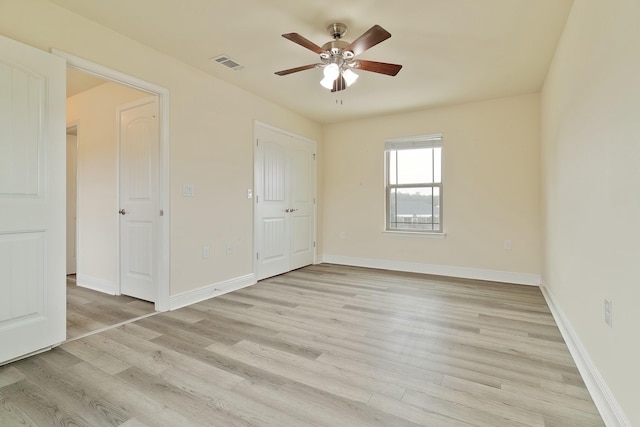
378, 67
297, 38
339, 84
295, 70
370, 38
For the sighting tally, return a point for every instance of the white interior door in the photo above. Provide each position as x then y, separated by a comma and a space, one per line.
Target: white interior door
139, 144
302, 201
72, 199
285, 202
32, 195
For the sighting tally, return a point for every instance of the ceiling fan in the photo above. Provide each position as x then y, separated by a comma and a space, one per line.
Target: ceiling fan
338, 57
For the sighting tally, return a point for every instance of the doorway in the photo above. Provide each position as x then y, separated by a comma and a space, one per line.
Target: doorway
161, 243
94, 300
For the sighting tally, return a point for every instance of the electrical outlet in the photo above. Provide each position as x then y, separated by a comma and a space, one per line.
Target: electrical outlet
228, 249
608, 313
249, 193
507, 244
206, 252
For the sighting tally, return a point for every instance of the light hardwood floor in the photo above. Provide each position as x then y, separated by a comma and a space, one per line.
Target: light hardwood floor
89, 310
325, 345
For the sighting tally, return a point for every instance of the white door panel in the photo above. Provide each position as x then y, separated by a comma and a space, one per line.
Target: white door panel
273, 226
302, 181
32, 200
285, 208
139, 145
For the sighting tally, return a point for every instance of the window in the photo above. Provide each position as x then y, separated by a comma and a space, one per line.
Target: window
414, 184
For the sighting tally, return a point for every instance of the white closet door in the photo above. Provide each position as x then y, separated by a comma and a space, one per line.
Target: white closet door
285, 202
32, 200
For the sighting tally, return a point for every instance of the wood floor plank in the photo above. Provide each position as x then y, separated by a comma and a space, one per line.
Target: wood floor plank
256, 358
89, 310
40, 407
324, 345
9, 375
138, 403
201, 411
86, 403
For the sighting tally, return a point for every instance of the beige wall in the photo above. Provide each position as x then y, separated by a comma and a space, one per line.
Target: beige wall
211, 134
591, 170
94, 112
490, 178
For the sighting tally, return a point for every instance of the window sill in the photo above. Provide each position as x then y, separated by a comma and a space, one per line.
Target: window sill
426, 235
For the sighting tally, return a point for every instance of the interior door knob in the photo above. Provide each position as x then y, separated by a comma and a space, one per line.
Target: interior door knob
122, 212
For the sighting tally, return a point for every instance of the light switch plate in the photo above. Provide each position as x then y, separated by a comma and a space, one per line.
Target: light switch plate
187, 190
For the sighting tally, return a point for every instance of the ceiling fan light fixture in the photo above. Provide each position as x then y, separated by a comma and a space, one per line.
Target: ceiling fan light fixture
349, 77
327, 83
331, 71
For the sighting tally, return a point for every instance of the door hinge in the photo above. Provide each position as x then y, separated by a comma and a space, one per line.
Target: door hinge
314, 156
314, 200
257, 255
161, 212
256, 199
314, 243
257, 142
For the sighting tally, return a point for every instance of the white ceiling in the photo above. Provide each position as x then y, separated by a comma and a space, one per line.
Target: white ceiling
452, 51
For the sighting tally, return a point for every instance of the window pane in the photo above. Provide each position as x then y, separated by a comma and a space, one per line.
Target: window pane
413, 209
392, 167
392, 207
415, 166
436, 206
437, 164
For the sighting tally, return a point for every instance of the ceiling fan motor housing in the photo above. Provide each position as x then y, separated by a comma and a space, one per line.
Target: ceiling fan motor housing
337, 30
335, 47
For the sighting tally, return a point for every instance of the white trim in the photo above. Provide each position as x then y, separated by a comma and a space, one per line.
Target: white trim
423, 234
282, 131
163, 249
97, 284
609, 408
70, 125
439, 270
411, 142
196, 295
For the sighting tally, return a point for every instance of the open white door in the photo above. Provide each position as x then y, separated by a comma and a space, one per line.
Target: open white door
139, 144
32, 200
285, 202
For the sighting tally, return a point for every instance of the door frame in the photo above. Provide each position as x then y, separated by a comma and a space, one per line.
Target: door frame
162, 245
74, 125
256, 238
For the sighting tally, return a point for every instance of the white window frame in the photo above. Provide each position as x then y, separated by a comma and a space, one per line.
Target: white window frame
408, 143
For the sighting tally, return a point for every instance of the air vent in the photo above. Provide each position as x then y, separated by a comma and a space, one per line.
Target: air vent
227, 62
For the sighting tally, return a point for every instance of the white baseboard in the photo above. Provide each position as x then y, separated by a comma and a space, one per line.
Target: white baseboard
96, 284
439, 270
210, 291
610, 410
